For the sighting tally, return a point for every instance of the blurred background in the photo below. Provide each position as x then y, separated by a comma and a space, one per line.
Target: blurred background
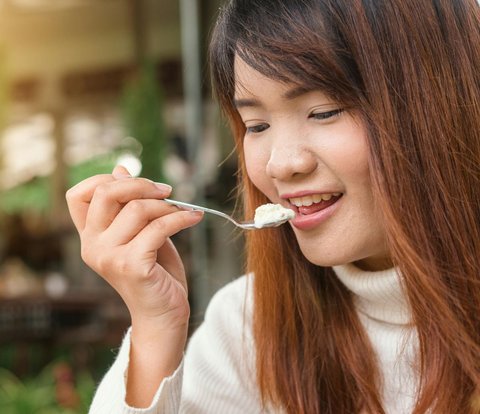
86, 85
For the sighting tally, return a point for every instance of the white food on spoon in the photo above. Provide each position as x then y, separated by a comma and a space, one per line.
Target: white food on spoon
268, 214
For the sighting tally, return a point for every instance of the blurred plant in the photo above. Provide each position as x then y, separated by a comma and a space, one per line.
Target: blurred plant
142, 105
53, 391
99, 165
35, 195
31, 196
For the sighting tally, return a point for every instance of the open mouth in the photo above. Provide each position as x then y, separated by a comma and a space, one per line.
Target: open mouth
314, 203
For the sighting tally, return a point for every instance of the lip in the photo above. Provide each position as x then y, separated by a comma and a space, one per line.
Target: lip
310, 221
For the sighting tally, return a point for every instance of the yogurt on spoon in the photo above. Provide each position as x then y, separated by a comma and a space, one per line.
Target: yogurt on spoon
270, 215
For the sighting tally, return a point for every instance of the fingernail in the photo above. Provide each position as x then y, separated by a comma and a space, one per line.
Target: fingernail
120, 175
121, 172
164, 187
196, 213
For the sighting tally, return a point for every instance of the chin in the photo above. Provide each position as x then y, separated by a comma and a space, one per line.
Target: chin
336, 253
325, 260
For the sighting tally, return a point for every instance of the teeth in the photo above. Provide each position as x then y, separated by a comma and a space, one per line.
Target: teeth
309, 200
317, 198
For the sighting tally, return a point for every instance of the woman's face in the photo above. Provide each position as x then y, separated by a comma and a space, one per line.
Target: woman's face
304, 152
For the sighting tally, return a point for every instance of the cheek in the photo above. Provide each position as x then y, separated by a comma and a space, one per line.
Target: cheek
357, 169
350, 157
256, 161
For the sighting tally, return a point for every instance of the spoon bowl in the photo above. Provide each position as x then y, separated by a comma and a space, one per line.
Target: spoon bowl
246, 225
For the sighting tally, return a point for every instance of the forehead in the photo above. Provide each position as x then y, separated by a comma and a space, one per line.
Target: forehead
249, 81
252, 87
247, 78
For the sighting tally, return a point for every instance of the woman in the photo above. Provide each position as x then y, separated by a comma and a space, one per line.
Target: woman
363, 117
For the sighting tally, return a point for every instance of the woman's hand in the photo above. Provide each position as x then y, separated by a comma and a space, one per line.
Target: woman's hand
124, 230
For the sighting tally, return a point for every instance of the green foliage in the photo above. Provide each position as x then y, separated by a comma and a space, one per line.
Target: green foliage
99, 165
31, 196
85, 388
36, 194
142, 111
38, 395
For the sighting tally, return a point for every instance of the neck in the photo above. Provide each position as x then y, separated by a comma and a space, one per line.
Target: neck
374, 264
377, 294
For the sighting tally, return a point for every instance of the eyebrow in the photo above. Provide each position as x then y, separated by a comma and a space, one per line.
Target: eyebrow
289, 95
242, 103
296, 92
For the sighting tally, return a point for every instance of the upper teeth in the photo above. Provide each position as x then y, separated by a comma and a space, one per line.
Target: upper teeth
310, 199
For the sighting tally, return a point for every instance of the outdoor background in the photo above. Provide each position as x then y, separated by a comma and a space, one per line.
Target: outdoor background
84, 85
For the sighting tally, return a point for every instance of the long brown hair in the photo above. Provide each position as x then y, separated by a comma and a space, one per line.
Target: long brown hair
410, 68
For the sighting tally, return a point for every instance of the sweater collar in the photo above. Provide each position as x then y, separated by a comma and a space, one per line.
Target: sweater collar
379, 295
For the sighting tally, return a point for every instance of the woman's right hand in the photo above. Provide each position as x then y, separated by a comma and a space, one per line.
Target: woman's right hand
124, 230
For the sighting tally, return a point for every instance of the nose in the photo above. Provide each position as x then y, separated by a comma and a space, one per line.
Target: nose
289, 157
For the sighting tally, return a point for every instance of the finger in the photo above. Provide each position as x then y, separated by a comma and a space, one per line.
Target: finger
134, 216
109, 199
170, 260
121, 172
79, 198
156, 233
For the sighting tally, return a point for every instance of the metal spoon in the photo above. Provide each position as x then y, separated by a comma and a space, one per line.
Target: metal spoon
246, 225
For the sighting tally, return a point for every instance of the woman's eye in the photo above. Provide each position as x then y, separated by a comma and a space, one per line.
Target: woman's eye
326, 115
255, 129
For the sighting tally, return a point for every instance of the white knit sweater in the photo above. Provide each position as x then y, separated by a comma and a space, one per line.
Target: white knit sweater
217, 374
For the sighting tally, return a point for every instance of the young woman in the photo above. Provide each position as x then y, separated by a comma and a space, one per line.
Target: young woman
363, 117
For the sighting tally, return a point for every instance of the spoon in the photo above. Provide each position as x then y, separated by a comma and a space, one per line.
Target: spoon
246, 225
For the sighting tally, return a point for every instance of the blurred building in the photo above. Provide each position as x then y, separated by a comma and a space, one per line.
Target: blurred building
66, 70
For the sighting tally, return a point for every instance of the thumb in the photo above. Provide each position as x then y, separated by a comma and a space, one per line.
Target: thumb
120, 172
